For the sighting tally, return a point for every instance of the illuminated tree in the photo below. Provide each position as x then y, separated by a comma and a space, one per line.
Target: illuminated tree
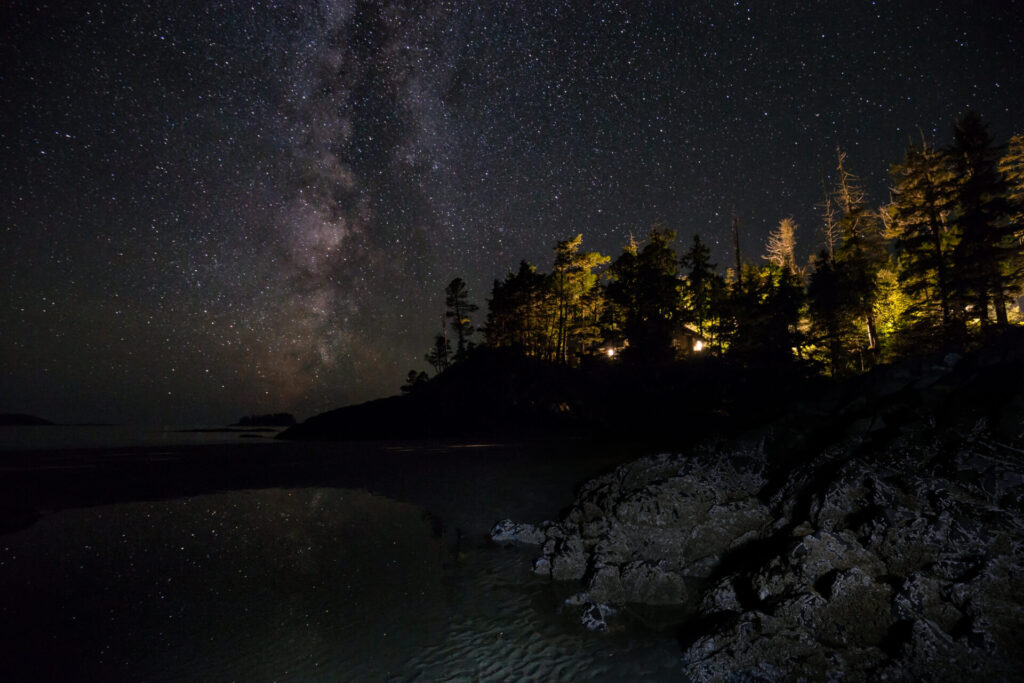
1012, 168
859, 256
781, 249
577, 299
458, 310
703, 289
893, 312
923, 241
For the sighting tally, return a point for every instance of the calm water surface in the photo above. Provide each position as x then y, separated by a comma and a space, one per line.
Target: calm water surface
300, 584
57, 437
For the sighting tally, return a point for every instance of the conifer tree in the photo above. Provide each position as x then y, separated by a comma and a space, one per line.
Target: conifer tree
861, 253
924, 243
645, 287
1012, 168
577, 299
518, 312
827, 294
765, 306
457, 313
987, 256
439, 355
703, 288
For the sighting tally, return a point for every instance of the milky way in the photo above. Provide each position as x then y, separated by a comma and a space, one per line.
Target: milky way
213, 209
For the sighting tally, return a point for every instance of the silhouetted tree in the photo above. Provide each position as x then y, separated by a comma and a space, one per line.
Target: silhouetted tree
987, 256
414, 381
828, 306
645, 287
439, 355
458, 310
765, 305
519, 314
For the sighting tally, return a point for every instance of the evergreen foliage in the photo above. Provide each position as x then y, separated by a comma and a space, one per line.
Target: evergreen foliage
457, 313
987, 258
941, 262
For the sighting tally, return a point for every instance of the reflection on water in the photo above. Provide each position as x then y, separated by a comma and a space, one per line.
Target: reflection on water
56, 437
288, 584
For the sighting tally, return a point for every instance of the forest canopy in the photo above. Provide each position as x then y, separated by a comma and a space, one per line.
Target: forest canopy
940, 265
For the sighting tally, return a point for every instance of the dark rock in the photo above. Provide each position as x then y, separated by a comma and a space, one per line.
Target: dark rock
881, 541
507, 531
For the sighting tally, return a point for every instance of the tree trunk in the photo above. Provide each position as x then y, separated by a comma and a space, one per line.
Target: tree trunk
999, 301
869, 322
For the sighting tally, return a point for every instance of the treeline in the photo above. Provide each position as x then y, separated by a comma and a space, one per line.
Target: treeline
938, 266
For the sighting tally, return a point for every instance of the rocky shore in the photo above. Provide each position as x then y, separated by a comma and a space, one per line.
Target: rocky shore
876, 533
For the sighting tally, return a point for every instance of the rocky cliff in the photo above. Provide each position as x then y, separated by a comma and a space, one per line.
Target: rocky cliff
877, 532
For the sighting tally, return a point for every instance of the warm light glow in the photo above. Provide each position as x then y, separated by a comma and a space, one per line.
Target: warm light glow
698, 345
611, 353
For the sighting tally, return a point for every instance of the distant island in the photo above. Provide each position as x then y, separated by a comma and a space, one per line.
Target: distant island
268, 420
23, 420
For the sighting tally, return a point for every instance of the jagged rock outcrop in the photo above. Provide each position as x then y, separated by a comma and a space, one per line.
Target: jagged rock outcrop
878, 534
641, 533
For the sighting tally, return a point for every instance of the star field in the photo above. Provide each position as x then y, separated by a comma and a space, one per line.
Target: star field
212, 209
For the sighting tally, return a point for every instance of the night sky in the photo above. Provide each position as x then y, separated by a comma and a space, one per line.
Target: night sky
214, 209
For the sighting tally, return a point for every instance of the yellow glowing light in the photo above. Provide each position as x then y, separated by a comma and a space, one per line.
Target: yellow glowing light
611, 353
698, 345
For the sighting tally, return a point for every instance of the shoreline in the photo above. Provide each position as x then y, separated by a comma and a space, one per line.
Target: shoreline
439, 474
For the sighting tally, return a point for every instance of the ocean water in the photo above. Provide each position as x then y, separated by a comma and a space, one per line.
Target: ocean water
291, 584
61, 437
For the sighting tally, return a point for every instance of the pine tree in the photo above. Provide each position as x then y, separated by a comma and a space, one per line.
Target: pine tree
457, 313
765, 307
1012, 168
987, 256
703, 289
645, 287
577, 299
860, 255
439, 355
518, 315
923, 240
828, 306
